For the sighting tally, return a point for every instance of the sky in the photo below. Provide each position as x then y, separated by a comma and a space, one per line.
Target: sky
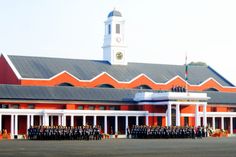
157, 31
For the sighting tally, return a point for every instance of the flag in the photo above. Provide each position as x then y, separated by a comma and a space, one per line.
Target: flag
186, 69
186, 75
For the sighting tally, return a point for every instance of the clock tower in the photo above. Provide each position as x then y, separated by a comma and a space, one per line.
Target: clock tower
114, 47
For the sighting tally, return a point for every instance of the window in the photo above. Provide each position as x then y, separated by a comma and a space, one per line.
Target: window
211, 89
232, 109
4, 106
65, 84
31, 106
91, 108
15, 106
213, 109
109, 29
118, 28
101, 107
80, 107
159, 121
186, 121
143, 87
105, 86
112, 108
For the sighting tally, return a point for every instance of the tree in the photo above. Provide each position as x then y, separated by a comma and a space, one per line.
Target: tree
198, 63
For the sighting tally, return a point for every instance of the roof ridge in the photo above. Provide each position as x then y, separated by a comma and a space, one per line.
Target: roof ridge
84, 59
51, 57
156, 64
214, 71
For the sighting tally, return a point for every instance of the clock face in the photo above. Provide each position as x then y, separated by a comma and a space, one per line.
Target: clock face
119, 55
118, 39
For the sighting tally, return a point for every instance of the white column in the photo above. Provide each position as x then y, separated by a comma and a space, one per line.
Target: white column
222, 123
205, 115
0, 122
63, 120
16, 124
169, 123
59, 119
84, 120
45, 119
166, 119
71, 120
51, 119
126, 122
231, 125
213, 123
105, 124
116, 124
177, 115
197, 115
40, 120
146, 119
137, 120
12, 125
32, 120
28, 124
94, 120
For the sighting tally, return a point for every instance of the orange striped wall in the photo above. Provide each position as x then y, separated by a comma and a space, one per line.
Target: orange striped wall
106, 79
187, 109
49, 106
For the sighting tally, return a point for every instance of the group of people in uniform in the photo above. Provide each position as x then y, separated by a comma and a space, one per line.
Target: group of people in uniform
64, 133
137, 132
94, 133
178, 89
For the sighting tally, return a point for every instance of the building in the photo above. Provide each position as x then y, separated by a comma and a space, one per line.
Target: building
111, 93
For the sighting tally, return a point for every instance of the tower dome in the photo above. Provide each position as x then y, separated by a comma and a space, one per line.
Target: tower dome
114, 13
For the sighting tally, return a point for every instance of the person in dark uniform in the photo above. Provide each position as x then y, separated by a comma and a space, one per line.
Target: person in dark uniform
127, 133
193, 133
30, 133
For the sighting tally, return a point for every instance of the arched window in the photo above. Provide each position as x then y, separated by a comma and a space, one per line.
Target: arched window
65, 84
105, 86
210, 89
143, 87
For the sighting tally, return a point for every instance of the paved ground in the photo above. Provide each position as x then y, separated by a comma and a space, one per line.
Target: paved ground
210, 147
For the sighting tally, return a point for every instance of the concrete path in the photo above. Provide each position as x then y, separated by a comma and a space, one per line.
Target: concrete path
209, 147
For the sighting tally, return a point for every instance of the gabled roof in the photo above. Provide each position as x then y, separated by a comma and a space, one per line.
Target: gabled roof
112, 95
45, 68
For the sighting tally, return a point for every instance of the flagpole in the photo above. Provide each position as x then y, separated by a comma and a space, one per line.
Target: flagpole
186, 73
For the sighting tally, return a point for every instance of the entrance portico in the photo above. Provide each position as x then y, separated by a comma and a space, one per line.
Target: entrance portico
176, 99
